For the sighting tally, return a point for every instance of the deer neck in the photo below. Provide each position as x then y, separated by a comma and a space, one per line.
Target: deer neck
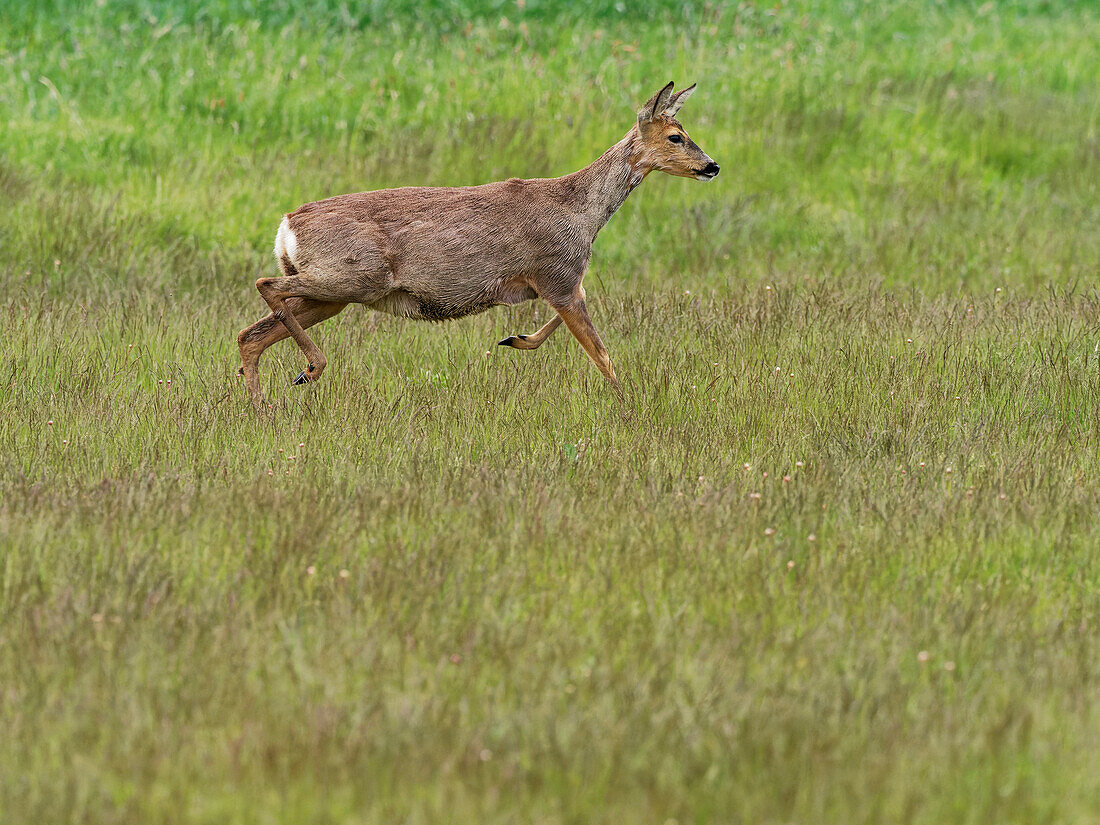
608, 180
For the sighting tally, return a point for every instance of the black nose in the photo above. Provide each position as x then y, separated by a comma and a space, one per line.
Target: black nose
711, 169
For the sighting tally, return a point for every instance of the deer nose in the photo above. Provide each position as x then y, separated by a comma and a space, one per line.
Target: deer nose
711, 169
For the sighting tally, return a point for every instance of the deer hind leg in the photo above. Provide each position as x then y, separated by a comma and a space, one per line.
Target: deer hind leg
267, 331
575, 315
534, 340
276, 291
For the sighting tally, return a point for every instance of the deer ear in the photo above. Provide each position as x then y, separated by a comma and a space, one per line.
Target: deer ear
656, 104
678, 100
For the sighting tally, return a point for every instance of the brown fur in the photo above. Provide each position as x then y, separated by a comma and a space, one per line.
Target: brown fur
441, 253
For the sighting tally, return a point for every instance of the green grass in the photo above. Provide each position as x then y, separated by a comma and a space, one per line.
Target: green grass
833, 559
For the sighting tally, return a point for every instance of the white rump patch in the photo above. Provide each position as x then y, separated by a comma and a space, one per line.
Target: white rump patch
285, 242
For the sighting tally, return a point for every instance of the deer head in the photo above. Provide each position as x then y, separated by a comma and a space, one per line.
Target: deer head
664, 144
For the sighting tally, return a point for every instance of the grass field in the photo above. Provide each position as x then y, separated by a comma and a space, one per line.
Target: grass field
833, 558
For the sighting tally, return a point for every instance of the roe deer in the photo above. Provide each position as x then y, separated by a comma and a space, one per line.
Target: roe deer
438, 253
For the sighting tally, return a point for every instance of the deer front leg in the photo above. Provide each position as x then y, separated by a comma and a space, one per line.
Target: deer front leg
534, 340
575, 315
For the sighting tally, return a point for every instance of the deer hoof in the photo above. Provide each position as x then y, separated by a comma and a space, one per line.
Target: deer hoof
305, 376
510, 341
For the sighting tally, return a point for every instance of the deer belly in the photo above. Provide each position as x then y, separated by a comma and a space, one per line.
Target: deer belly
407, 303
516, 294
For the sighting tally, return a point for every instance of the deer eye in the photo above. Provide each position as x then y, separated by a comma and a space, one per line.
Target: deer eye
675, 139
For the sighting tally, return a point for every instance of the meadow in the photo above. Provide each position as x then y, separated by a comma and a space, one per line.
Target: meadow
833, 558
